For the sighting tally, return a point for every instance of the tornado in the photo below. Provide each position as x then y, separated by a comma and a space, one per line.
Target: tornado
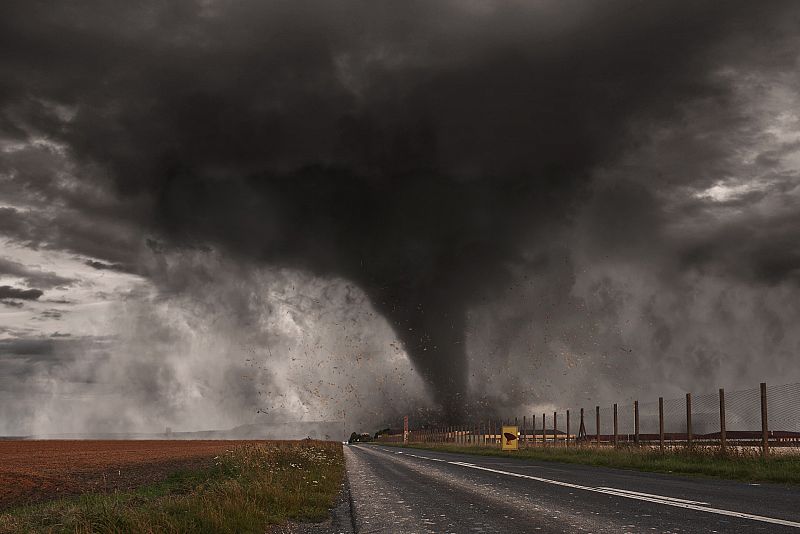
419, 150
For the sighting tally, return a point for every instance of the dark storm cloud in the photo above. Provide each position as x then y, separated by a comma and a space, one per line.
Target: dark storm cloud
765, 254
417, 149
8, 292
13, 223
93, 232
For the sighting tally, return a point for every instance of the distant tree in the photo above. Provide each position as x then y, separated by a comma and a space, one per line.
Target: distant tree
384, 431
353, 438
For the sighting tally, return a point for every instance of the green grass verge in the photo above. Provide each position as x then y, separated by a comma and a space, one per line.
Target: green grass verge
734, 464
248, 488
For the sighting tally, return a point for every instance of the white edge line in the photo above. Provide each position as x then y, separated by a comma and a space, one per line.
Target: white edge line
662, 497
609, 491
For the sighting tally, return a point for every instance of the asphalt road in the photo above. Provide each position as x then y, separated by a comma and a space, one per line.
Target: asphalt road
407, 490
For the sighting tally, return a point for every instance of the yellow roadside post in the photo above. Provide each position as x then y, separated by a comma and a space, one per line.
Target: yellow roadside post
509, 438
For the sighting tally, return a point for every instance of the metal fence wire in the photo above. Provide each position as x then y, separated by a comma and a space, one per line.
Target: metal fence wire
765, 416
742, 414
784, 407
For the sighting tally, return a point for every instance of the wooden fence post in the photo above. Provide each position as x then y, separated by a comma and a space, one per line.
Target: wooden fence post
722, 440
597, 424
689, 436
616, 428
555, 428
524, 428
764, 429
636, 422
544, 430
661, 423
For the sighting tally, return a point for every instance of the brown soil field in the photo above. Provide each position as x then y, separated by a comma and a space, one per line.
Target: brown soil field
35, 471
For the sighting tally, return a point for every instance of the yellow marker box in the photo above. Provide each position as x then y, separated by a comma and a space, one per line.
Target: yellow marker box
509, 438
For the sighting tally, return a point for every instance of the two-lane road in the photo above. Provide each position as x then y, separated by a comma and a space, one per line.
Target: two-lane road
407, 490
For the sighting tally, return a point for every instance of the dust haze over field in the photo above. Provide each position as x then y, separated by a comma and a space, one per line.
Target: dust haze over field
238, 211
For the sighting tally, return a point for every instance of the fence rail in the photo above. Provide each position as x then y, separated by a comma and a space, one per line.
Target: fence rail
766, 417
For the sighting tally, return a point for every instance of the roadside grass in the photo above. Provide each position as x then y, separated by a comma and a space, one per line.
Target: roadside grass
733, 463
248, 488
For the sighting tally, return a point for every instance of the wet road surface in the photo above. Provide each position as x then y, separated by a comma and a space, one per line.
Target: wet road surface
410, 490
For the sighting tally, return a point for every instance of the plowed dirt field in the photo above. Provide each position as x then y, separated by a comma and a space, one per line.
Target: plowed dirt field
35, 471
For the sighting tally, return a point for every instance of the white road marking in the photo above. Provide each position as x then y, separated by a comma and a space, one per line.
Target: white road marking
628, 494
662, 497
641, 497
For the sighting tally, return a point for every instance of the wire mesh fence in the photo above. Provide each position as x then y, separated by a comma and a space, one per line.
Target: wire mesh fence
766, 416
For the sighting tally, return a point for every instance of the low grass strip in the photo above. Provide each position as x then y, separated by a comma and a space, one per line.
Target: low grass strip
733, 464
248, 488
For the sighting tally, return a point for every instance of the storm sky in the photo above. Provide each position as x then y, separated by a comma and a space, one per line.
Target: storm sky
223, 212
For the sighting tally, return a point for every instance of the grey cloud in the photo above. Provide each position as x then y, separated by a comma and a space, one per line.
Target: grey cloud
59, 301
99, 265
8, 292
27, 347
33, 277
51, 314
